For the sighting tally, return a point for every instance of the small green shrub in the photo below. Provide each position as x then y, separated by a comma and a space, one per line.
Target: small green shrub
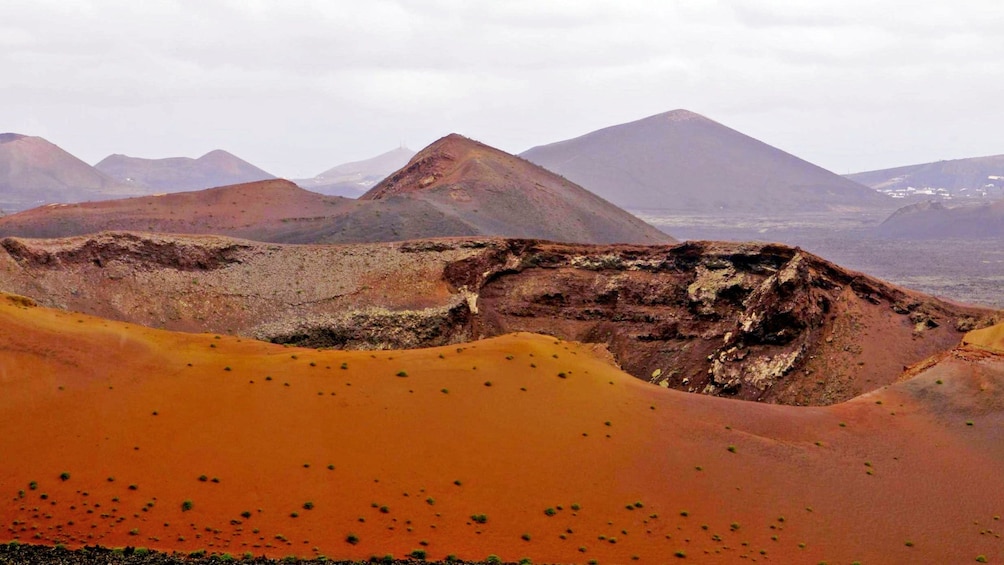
186, 505
64, 476
308, 505
494, 559
479, 518
402, 373
352, 539
417, 554
550, 511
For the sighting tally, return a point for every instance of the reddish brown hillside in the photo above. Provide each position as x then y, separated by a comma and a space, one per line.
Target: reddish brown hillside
280, 211
519, 446
273, 210
758, 322
503, 195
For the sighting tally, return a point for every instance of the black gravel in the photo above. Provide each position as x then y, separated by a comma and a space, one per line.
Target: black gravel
25, 554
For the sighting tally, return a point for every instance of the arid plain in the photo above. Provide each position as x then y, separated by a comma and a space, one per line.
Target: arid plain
519, 446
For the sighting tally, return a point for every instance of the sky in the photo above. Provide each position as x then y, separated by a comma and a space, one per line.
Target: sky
298, 86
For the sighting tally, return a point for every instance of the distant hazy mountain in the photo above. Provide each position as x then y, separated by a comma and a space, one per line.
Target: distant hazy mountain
353, 179
500, 194
935, 220
976, 177
455, 187
682, 161
33, 171
174, 174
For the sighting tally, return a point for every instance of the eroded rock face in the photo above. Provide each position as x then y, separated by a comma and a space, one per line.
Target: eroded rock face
752, 321
757, 322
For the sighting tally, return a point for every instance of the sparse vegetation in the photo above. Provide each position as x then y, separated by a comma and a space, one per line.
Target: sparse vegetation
187, 505
64, 476
479, 518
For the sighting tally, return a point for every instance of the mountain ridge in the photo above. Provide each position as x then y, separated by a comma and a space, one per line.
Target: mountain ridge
683, 161
174, 174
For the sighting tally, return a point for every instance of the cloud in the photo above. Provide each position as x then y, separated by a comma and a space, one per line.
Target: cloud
299, 86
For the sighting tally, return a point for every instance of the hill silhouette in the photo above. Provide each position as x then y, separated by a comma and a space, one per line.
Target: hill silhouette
972, 177
493, 193
34, 171
501, 194
682, 161
216, 168
353, 179
936, 220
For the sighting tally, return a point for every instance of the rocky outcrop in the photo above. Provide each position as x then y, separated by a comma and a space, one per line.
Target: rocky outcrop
759, 322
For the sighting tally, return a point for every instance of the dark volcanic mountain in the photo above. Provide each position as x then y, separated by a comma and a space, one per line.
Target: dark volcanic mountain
935, 220
216, 168
500, 194
353, 179
475, 191
682, 161
34, 171
974, 177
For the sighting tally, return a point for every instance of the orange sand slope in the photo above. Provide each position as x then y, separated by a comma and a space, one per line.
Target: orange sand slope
184, 442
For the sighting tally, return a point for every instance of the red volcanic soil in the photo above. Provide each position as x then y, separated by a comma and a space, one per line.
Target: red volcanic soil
399, 449
256, 208
279, 211
753, 321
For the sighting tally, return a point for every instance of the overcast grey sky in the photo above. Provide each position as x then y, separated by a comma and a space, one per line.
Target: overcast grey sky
298, 86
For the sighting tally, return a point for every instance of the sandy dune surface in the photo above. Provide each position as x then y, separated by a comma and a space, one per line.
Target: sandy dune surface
116, 434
